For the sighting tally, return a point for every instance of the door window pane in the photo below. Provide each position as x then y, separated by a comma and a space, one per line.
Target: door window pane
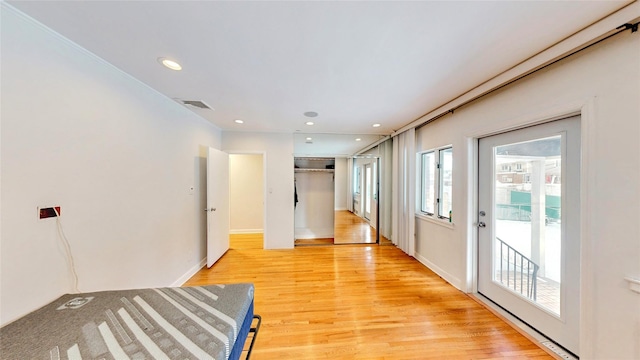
368, 189
527, 197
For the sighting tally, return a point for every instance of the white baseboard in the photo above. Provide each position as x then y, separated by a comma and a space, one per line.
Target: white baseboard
340, 208
183, 279
246, 231
443, 274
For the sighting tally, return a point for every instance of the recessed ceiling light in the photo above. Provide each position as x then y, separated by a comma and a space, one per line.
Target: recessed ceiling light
358, 139
238, 121
376, 125
311, 114
171, 64
309, 123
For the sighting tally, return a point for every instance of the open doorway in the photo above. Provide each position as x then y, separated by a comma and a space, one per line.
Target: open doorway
246, 200
314, 186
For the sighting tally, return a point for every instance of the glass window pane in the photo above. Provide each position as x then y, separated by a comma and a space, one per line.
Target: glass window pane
367, 185
527, 195
446, 170
374, 182
428, 183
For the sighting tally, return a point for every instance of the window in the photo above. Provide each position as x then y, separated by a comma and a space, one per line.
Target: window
436, 182
428, 183
445, 181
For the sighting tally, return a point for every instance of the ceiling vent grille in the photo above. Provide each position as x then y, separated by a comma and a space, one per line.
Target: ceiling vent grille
195, 103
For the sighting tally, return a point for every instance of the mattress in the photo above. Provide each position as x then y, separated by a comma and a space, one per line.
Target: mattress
204, 322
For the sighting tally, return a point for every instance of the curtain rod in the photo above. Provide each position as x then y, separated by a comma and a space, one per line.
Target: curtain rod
371, 146
623, 15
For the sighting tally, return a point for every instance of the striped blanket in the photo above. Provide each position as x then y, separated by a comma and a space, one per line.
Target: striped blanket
164, 323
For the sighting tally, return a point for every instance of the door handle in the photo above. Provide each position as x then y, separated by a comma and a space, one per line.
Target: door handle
212, 209
482, 224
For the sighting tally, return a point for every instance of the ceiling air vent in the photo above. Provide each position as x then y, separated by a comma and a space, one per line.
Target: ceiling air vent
195, 103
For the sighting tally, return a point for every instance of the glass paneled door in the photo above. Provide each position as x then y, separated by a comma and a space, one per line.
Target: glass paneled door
369, 189
529, 226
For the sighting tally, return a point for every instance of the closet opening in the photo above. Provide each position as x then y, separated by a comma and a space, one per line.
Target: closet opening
314, 181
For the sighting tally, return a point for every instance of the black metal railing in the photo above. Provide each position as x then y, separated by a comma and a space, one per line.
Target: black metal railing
517, 272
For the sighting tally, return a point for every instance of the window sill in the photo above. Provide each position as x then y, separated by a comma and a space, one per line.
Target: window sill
431, 219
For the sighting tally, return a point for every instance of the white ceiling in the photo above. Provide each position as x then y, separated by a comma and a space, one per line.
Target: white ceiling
355, 63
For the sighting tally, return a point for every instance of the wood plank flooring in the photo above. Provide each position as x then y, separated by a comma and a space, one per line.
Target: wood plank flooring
351, 229
360, 302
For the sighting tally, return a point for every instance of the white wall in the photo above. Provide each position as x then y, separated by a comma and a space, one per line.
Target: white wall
278, 155
118, 157
342, 184
246, 193
603, 81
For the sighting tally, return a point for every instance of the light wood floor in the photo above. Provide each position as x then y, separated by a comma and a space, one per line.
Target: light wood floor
351, 229
360, 302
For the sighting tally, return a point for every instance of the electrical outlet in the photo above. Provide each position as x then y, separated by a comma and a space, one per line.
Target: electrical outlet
48, 212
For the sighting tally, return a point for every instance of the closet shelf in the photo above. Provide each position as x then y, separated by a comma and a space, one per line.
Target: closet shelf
314, 170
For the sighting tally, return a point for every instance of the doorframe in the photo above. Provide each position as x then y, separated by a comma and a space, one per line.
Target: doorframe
264, 187
586, 109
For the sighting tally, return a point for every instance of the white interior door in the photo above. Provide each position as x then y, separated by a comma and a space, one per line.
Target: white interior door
529, 226
217, 205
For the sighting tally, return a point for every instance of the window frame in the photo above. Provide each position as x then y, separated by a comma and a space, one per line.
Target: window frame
438, 184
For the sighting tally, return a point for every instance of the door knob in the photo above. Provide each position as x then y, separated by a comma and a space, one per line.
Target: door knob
482, 224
